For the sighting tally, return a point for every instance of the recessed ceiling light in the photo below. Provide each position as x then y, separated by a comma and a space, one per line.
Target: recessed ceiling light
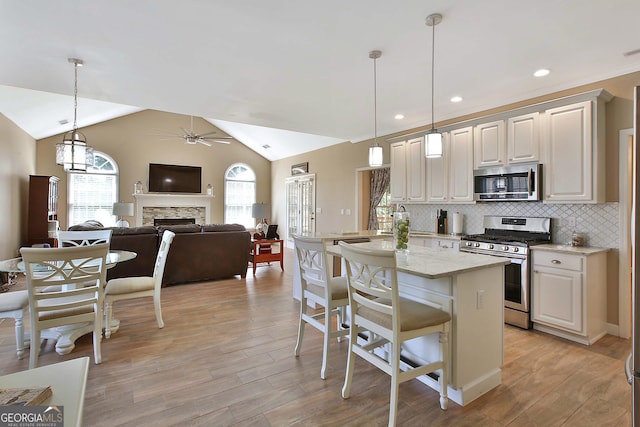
456, 98
399, 116
542, 72
266, 146
63, 122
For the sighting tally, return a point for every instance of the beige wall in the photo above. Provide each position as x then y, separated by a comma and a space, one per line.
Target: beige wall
138, 139
17, 162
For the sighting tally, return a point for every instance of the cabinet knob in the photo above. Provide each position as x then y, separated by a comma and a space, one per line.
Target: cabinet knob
555, 261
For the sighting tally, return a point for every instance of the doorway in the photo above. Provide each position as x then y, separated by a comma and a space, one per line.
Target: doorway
301, 205
384, 208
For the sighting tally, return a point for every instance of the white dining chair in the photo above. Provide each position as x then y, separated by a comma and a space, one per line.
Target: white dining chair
318, 286
376, 306
82, 237
14, 305
137, 287
65, 287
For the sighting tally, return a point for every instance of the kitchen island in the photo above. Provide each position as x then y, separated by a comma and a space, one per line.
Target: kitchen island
468, 286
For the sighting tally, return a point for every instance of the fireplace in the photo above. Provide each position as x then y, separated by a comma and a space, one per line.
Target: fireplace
151, 206
173, 221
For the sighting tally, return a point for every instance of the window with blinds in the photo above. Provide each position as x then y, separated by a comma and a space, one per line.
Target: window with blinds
92, 194
239, 195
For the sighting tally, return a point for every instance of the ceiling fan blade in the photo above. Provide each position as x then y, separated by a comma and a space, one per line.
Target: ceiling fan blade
208, 133
203, 142
222, 141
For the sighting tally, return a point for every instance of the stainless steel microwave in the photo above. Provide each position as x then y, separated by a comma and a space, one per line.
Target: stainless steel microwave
511, 183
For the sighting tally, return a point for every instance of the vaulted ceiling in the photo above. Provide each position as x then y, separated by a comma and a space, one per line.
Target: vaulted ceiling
296, 76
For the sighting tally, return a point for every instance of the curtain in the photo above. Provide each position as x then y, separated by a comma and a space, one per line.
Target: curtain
379, 179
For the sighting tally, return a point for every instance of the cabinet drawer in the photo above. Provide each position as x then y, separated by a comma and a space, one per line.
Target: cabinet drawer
557, 260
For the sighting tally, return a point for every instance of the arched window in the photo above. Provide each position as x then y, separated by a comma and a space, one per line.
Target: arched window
92, 194
239, 195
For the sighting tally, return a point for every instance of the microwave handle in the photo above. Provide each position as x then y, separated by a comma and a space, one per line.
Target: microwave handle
530, 181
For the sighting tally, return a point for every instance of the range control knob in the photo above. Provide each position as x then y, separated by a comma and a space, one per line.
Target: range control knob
490, 245
516, 249
476, 244
468, 243
505, 248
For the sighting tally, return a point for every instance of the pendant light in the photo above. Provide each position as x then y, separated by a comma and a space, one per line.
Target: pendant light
433, 143
375, 151
74, 153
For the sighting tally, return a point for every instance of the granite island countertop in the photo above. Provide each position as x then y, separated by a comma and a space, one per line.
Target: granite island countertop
432, 263
345, 235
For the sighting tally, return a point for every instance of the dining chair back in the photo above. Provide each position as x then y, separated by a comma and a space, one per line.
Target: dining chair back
140, 286
319, 287
376, 306
15, 305
65, 287
82, 237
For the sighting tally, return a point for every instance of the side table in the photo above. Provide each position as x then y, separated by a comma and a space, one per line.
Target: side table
267, 250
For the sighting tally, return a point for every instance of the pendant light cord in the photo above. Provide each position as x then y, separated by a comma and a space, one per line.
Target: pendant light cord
75, 98
375, 103
433, 58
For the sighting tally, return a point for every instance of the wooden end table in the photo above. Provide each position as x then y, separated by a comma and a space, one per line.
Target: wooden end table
264, 250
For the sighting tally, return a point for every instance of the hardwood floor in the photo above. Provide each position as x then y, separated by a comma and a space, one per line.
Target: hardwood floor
225, 358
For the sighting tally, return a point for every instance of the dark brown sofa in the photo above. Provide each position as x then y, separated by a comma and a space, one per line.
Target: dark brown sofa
198, 252
206, 252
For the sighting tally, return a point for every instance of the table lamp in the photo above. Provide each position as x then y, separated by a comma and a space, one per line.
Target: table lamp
122, 209
261, 211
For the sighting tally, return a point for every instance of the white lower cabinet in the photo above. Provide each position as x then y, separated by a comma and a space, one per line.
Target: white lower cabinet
569, 293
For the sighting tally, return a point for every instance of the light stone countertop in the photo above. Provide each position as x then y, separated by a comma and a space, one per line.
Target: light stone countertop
568, 249
432, 263
341, 235
434, 235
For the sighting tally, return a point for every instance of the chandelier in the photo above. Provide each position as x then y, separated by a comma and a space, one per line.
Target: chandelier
74, 153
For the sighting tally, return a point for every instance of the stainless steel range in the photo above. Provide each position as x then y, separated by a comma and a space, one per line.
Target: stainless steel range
511, 237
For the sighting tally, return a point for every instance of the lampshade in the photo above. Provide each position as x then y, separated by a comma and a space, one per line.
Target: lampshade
433, 145
260, 210
123, 209
375, 156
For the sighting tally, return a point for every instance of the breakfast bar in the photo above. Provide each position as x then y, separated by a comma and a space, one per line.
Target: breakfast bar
468, 286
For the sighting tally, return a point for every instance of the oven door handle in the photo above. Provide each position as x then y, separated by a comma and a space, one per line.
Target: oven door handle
530, 181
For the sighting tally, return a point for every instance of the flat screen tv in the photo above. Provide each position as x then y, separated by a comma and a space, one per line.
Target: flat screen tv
174, 178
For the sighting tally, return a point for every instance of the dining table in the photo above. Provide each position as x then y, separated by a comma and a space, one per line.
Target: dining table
65, 336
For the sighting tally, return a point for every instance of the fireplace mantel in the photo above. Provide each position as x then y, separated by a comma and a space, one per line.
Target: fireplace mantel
172, 200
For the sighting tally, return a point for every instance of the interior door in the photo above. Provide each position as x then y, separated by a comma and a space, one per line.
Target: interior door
301, 205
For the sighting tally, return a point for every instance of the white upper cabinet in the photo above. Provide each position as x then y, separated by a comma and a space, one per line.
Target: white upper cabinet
408, 171
573, 153
520, 145
398, 173
489, 147
523, 138
450, 177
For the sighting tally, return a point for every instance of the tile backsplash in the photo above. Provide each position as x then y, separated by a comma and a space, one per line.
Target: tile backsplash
599, 223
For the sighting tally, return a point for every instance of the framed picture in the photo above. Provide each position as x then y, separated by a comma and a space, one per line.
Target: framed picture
300, 168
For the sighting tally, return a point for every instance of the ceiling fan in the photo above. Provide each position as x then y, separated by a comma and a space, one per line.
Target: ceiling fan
192, 138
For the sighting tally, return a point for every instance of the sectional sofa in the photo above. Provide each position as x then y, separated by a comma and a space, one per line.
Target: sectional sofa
198, 252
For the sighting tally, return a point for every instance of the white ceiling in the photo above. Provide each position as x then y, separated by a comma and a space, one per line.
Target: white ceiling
296, 75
